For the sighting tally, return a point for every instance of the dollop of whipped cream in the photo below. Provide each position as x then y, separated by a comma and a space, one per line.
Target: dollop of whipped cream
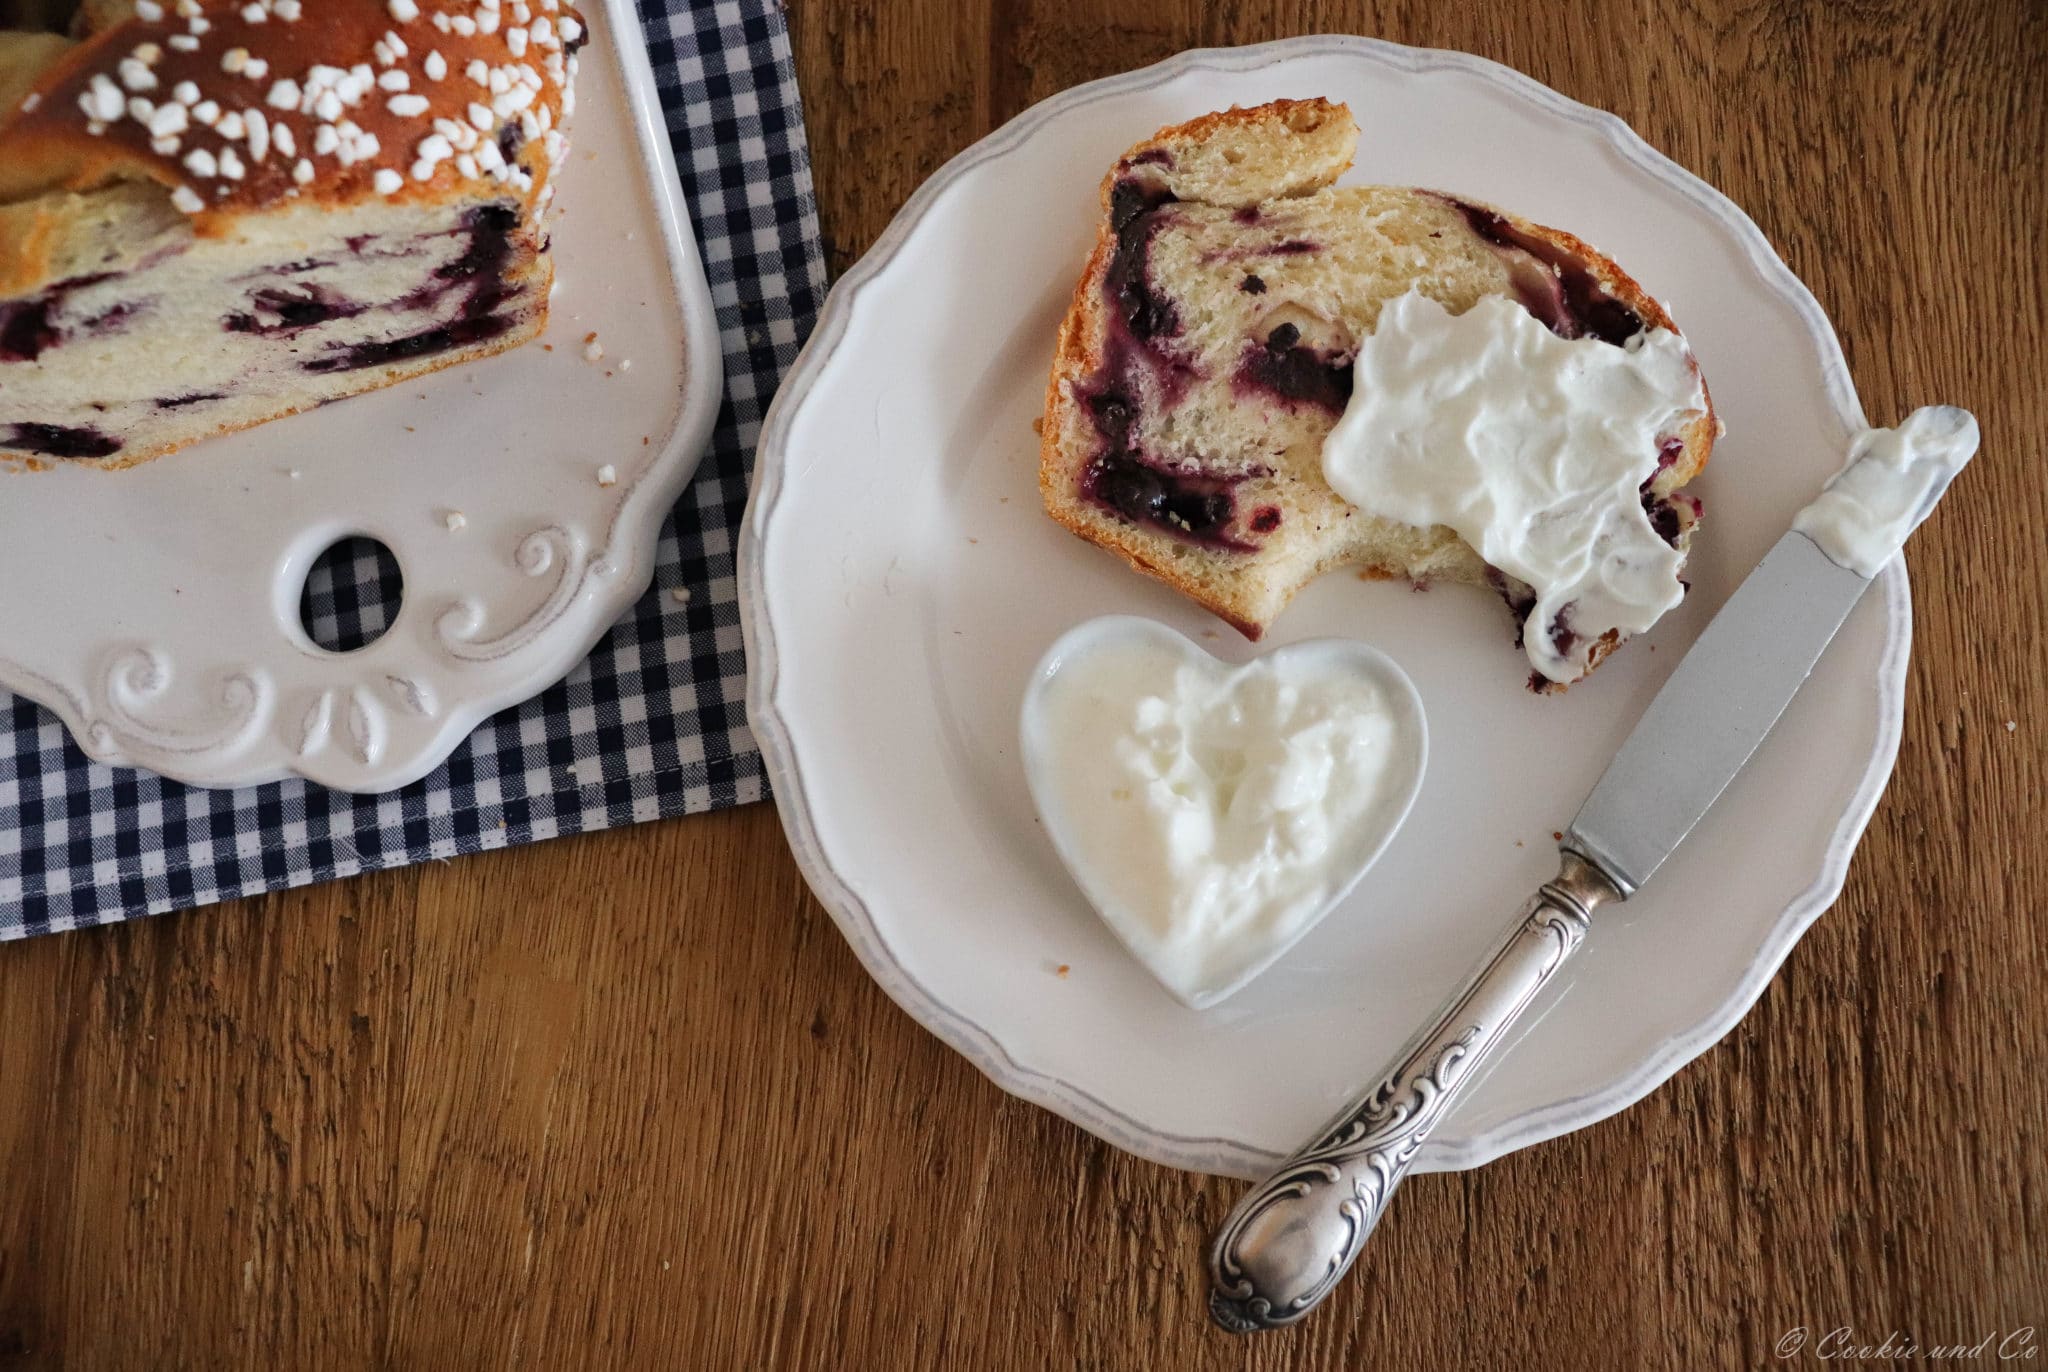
1532, 448
1889, 484
1213, 814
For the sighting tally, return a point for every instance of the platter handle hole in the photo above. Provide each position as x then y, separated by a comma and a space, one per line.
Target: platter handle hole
352, 594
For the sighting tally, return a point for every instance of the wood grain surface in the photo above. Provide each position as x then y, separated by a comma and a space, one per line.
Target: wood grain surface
628, 1100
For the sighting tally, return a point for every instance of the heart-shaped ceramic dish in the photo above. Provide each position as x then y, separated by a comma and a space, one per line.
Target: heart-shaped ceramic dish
1353, 851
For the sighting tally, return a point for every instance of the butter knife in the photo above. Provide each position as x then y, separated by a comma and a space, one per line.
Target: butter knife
1287, 1243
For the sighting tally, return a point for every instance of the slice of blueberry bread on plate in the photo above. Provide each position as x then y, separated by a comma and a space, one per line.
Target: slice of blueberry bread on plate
1209, 352
215, 214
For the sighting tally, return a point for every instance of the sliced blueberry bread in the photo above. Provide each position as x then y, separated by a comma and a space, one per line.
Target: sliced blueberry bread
213, 214
1208, 349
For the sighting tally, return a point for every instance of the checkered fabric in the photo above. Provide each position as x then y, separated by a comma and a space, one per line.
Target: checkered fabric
352, 594
653, 724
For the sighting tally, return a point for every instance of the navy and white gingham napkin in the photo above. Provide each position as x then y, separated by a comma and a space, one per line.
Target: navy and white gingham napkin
653, 724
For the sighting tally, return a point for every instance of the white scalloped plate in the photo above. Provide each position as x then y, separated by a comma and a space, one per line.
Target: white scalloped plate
899, 580
156, 610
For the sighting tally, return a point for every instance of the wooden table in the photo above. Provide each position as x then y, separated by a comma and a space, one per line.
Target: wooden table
627, 1100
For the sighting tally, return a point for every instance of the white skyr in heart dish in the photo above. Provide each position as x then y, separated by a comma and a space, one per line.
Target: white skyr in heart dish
1213, 814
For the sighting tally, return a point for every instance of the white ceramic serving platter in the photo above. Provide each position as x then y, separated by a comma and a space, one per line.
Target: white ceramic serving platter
899, 580
156, 610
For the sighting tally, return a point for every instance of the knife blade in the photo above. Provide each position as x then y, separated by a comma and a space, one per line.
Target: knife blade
1289, 1240
1713, 711
1741, 673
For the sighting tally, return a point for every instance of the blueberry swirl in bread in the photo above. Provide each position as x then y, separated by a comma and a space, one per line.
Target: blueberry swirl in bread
1208, 350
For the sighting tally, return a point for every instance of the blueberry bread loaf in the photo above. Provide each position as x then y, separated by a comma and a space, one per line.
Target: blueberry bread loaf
214, 214
1208, 353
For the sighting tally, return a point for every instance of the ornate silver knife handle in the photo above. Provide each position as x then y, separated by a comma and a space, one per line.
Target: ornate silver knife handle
1293, 1236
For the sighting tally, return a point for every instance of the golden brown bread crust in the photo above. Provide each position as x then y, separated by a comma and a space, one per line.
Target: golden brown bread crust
1079, 352
49, 143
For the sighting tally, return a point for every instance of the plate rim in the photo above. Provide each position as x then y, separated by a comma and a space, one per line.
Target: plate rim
978, 1045
638, 515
